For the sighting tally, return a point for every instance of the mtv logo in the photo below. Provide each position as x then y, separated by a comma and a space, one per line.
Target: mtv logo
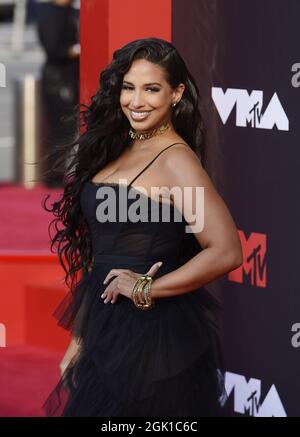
254, 265
248, 108
247, 397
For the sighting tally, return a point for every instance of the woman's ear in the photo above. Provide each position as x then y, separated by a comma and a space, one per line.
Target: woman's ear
180, 90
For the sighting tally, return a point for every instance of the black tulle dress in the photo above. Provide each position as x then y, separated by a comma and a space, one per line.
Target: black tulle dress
161, 362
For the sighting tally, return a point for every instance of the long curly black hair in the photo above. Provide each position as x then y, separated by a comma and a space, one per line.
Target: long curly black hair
104, 137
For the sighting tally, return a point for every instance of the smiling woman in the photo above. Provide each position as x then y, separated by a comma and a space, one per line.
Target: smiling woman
147, 104
145, 338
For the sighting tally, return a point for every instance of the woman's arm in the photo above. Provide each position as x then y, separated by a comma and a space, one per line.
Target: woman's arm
219, 239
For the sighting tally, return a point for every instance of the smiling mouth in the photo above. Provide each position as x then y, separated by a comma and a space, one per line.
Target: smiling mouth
139, 115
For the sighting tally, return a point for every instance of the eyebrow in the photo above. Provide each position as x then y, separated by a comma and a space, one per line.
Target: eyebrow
146, 84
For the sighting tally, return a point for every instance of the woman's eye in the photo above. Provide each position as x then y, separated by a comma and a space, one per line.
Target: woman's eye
153, 89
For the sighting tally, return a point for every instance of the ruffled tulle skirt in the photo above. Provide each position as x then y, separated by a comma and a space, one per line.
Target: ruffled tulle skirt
161, 362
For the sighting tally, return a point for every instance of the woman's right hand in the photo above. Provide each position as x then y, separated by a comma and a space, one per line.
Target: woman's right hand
71, 352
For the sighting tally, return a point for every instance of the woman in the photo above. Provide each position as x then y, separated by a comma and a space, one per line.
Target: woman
141, 346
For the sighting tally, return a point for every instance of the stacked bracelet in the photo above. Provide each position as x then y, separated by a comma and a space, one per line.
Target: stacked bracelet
141, 293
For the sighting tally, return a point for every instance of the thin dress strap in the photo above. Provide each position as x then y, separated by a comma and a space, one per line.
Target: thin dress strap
148, 165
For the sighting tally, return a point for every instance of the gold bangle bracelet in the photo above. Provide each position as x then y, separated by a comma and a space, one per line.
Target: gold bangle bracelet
136, 292
147, 295
141, 292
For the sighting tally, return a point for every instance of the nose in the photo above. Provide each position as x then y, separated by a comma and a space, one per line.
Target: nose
137, 100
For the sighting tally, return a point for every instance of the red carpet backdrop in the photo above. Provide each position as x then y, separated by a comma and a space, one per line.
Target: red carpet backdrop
31, 344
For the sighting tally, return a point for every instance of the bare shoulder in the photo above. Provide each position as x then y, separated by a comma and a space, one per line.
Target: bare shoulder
183, 167
179, 151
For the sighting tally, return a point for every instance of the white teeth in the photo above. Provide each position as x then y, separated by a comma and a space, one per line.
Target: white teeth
139, 114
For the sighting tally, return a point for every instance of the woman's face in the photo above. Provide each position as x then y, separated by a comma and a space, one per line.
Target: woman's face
146, 97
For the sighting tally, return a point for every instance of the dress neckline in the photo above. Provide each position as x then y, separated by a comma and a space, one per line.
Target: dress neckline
131, 187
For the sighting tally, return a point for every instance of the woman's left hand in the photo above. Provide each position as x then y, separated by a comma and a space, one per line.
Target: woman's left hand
123, 282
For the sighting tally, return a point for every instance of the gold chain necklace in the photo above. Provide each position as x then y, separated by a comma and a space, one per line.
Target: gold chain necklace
146, 135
